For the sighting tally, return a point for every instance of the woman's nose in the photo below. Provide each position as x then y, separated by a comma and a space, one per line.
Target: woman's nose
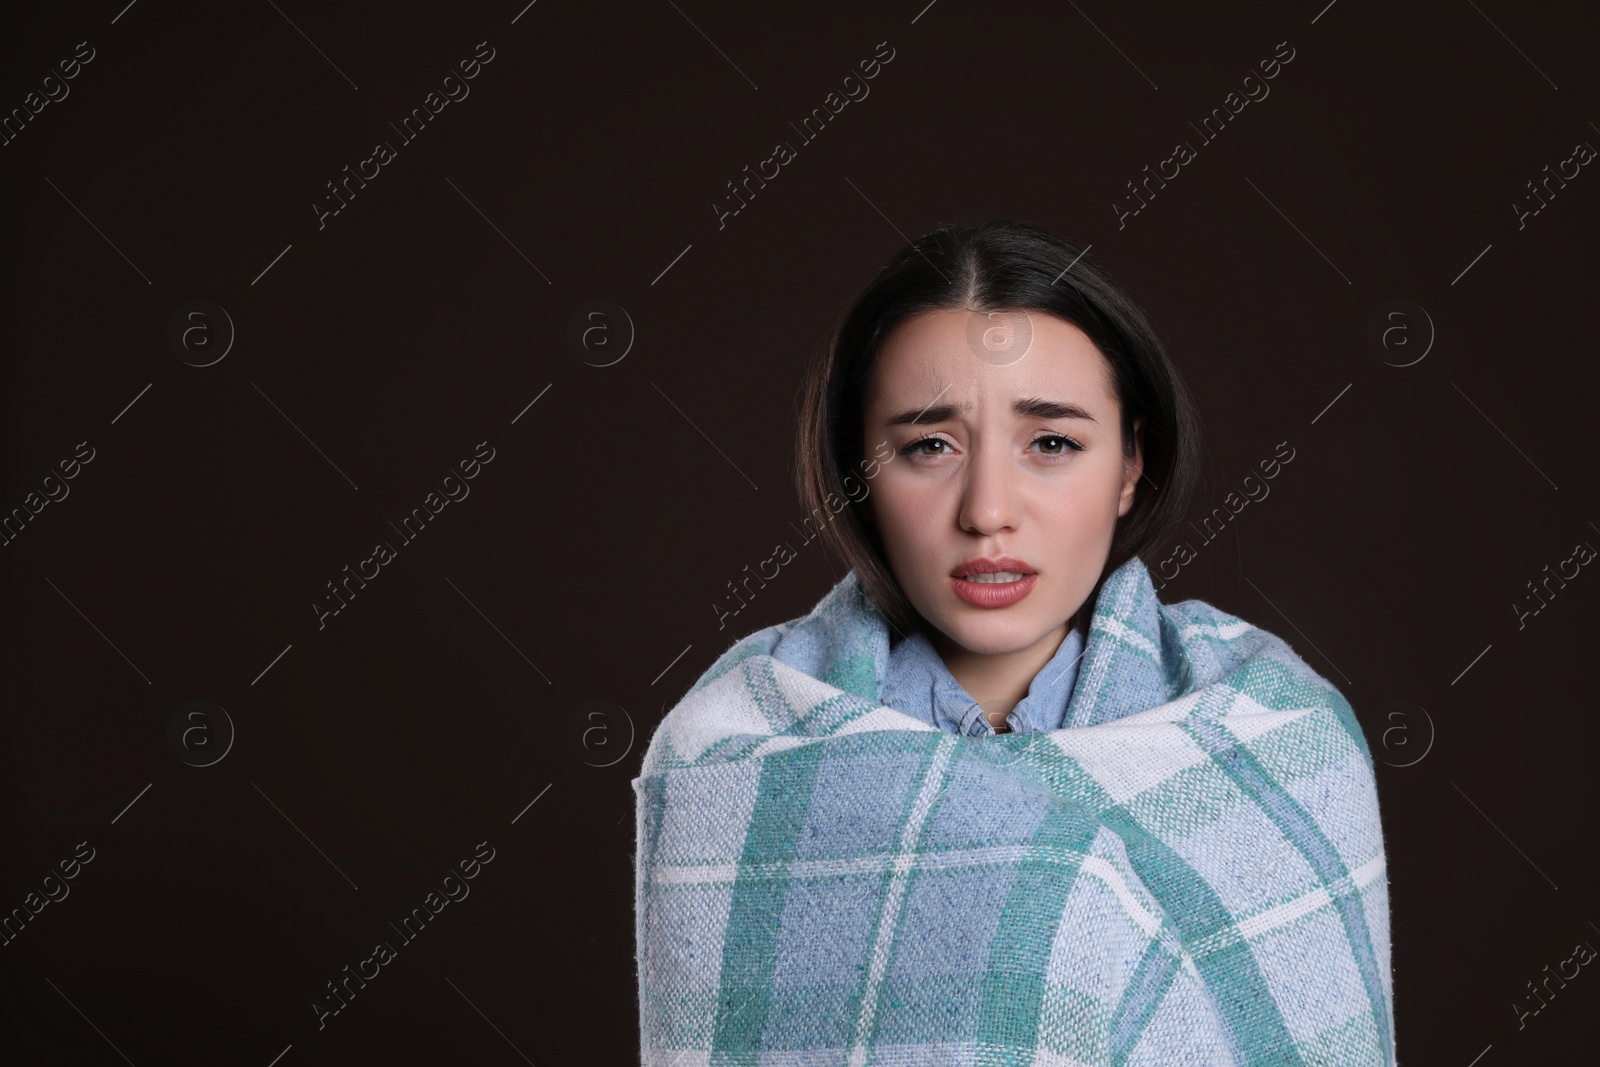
989, 493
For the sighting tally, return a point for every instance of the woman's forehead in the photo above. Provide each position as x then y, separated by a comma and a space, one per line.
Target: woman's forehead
946, 355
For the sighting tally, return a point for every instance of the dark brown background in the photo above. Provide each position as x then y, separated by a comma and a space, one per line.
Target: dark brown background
424, 718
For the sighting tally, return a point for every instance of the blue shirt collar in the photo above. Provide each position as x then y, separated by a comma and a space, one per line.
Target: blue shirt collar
919, 684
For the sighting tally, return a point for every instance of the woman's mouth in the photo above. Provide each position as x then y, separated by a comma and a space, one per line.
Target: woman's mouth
997, 589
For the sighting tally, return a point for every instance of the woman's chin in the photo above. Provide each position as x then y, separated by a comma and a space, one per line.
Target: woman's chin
992, 635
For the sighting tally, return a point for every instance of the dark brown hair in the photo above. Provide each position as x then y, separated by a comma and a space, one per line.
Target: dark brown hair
999, 265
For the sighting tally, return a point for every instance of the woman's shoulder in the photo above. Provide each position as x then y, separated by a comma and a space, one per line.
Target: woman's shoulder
1229, 641
757, 643
1223, 648
839, 643
841, 640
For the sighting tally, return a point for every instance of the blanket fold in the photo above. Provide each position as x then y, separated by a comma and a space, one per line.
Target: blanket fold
1190, 871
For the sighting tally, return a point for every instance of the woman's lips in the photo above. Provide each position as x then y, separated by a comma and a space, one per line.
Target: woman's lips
993, 594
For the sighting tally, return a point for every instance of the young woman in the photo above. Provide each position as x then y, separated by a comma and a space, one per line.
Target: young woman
992, 800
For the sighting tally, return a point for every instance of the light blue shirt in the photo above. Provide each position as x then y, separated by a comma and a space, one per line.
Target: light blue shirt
919, 684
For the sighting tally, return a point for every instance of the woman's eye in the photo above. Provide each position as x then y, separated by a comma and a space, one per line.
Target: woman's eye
1066, 444
916, 446
1053, 444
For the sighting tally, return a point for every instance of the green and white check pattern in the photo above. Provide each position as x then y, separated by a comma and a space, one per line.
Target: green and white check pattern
1190, 871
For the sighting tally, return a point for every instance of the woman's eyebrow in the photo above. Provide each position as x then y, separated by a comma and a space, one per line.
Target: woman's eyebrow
1029, 407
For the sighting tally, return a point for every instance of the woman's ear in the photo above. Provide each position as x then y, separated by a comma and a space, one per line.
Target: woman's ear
1132, 469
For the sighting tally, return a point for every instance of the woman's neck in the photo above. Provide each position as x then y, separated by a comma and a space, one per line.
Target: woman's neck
998, 681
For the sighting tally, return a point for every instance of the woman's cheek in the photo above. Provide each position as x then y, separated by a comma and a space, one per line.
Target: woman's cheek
903, 510
915, 505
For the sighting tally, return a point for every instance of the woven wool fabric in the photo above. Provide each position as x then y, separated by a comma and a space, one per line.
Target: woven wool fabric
1190, 871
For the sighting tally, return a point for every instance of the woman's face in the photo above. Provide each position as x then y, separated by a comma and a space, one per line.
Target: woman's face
1008, 450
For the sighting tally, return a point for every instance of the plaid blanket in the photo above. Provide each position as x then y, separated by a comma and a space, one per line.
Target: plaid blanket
1190, 871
